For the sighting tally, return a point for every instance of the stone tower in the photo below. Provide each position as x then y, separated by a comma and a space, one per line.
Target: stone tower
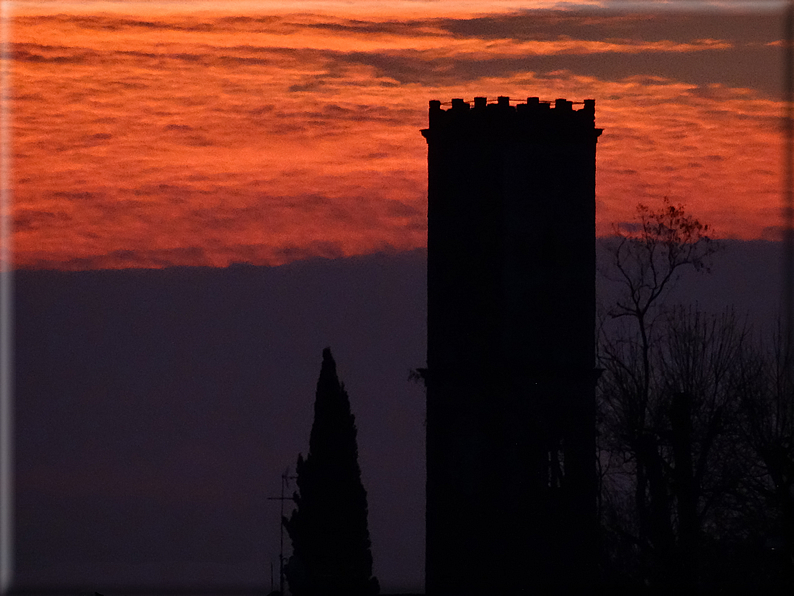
511, 484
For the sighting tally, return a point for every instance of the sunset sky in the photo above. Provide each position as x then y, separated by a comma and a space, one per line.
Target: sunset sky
148, 134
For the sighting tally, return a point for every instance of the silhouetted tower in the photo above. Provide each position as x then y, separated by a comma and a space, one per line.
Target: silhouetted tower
511, 483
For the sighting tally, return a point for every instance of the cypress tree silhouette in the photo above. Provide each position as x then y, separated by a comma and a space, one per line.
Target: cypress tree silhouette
330, 538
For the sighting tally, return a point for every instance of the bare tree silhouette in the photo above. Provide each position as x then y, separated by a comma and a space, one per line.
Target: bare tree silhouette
651, 395
766, 396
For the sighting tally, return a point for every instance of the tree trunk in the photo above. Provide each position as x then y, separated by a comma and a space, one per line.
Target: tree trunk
685, 490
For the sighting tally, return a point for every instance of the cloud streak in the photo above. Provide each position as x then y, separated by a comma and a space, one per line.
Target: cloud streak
146, 140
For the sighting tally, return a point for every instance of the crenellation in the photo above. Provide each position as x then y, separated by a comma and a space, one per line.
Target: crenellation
500, 117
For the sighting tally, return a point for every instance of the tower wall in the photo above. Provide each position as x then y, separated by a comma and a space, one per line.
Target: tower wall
511, 325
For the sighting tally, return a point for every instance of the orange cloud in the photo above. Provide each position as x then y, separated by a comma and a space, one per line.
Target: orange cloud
147, 140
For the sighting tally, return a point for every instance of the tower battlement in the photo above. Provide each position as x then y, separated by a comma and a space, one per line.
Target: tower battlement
535, 117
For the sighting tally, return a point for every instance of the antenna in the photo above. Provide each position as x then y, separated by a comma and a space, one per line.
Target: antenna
788, 183
285, 478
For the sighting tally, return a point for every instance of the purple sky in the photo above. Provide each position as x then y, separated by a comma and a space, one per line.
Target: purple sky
156, 409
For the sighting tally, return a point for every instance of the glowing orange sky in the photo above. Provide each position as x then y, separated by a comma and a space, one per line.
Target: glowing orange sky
146, 139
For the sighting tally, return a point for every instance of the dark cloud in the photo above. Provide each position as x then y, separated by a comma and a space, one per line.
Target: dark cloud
737, 66
730, 67
197, 141
226, 218
549, 25
108, 22
629, 226
363, 112
74, 56
231, 59
268, 212
170, 190
412, 28
76, 195
773, 233
23, 52
417, 225
33, 219
262, 110
311, 84
297, 252
402, 209
258, 20
126, 258
116, 206
600, 25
